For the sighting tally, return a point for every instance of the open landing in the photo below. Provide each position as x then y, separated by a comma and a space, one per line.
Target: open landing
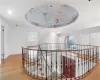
12, 70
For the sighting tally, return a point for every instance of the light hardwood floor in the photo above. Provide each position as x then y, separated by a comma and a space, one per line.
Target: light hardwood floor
12, 70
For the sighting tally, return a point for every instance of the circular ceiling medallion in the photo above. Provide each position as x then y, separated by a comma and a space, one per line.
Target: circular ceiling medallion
52, 16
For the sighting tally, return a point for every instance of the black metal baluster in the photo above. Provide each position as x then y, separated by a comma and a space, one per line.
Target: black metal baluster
56, 64
61, 65
97, 53
37, 62
88, 60
25, 60
30, 65
75, 67
93, 57
22, 57
33, 62
66, 65
70, 63
41, 63
82, 60
28, 60
78, 64
78, 61
51, 65
46, 66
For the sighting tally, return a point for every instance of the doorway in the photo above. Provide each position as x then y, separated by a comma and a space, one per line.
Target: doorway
2, 44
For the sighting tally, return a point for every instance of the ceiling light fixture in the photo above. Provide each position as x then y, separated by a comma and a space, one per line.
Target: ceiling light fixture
10, 12
89, 0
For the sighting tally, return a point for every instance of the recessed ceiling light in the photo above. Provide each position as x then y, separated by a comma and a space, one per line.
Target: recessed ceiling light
10, 12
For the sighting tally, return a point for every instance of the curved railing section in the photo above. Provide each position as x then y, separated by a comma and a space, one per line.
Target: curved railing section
57, 62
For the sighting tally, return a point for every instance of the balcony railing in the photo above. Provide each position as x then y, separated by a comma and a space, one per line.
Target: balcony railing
59, 62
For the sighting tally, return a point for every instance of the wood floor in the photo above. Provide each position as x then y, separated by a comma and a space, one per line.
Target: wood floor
12, 70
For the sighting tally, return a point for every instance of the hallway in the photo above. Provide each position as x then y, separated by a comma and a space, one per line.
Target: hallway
12, 70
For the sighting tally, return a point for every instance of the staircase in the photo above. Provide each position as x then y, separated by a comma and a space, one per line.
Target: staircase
60, 64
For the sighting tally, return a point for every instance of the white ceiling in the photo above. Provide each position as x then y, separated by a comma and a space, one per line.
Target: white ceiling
89, 12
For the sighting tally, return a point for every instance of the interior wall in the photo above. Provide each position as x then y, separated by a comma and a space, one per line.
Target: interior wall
95, 39
52, 37
83, 39
61, 39
88, 39
18, 38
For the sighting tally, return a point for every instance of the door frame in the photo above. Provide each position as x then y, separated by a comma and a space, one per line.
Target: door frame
2, 43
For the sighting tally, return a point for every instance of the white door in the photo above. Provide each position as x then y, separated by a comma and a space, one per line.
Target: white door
2, 43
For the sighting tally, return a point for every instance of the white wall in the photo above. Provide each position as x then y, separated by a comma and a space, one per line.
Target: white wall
52, 37
88, 39
61, 39
18, 37
95, 39
83, 39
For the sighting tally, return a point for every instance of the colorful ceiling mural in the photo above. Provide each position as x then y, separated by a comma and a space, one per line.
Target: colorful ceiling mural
52, 16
